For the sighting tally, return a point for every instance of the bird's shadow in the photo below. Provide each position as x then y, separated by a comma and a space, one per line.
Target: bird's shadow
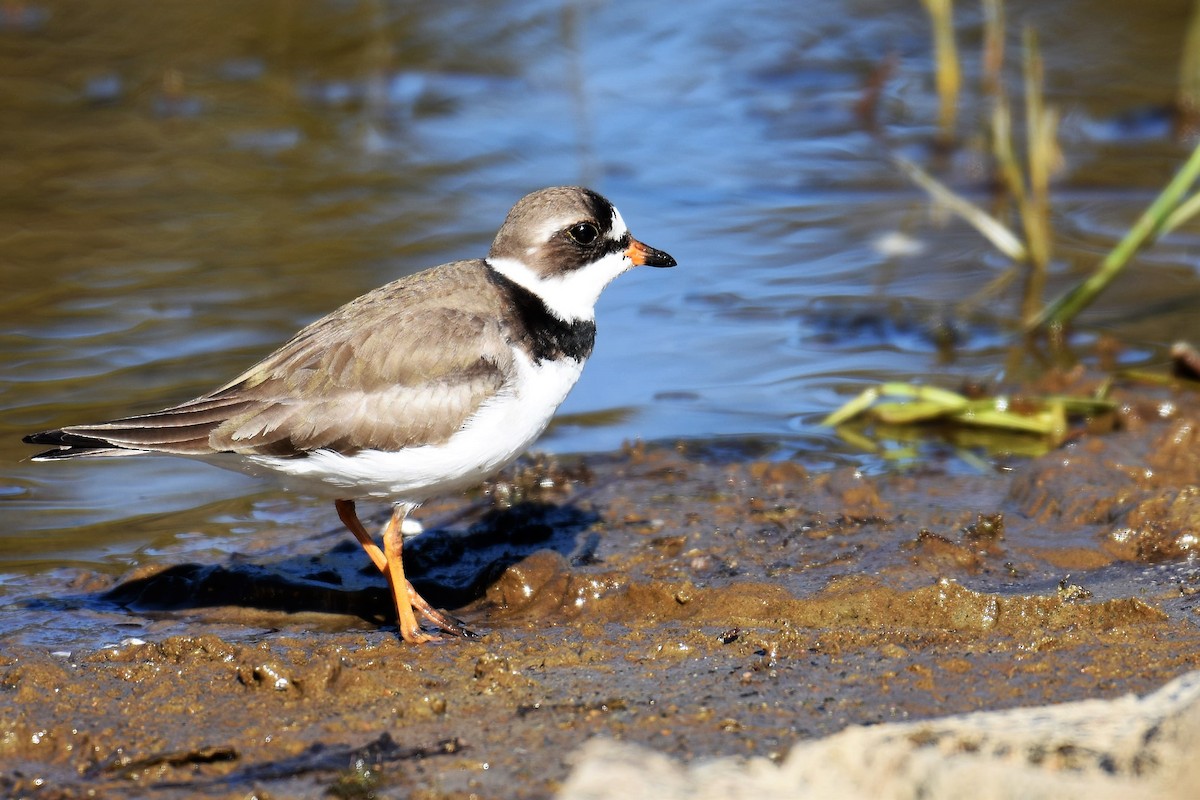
450, 569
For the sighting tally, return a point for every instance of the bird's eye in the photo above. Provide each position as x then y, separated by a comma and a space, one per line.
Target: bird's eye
584, 233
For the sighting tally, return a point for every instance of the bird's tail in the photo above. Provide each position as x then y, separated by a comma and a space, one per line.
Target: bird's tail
181, 430
68, 444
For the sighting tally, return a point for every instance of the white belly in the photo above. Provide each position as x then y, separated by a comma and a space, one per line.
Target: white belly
503, 428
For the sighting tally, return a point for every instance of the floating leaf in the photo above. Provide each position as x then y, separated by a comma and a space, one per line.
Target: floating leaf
903, 404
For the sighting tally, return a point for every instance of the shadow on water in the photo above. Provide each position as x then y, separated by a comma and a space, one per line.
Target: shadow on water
451, 569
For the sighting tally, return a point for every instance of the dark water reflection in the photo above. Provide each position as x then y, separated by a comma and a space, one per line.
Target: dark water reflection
186, 184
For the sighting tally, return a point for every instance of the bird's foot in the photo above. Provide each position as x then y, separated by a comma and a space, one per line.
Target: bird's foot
439, 619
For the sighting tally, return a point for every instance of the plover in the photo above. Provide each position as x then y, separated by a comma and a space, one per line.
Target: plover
422, 387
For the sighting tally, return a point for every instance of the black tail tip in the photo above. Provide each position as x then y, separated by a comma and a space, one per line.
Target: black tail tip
66, 444
64, 438
56, 437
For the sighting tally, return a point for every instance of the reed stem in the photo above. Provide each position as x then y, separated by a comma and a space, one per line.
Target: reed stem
1152, 222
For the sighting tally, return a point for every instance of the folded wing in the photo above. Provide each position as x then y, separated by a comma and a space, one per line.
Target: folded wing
364, 377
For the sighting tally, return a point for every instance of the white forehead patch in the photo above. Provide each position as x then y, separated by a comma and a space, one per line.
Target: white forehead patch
552, 226
547, 231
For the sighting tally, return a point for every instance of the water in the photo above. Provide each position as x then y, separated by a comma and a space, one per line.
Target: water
185, 185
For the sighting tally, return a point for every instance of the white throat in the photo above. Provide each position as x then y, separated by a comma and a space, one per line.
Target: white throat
571, 296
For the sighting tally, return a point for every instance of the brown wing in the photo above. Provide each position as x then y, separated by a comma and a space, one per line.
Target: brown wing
403, 365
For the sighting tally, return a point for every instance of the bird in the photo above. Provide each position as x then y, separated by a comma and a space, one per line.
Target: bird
423, 387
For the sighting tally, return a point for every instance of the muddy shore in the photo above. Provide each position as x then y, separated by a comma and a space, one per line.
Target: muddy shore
699, 599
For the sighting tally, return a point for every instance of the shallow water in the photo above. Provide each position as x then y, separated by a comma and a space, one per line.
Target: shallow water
188, 184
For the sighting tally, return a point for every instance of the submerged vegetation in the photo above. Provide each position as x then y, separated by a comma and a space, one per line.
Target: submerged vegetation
1019, 227
1026, 180
1043, 421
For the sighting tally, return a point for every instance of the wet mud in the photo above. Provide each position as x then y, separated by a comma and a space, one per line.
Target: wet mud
701, 599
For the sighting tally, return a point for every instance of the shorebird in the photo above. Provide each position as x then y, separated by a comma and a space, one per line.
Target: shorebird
420, 388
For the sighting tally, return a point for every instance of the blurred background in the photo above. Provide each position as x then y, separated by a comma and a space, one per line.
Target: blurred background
184, 185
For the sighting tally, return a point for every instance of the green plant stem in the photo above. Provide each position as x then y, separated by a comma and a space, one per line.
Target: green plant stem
991, 228
941, 14
993, 44
1186, 210
1006, 159
1079, 297
1039, 147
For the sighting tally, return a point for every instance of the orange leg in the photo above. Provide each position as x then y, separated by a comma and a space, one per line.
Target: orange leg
393, 540
346, 513
403, 593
